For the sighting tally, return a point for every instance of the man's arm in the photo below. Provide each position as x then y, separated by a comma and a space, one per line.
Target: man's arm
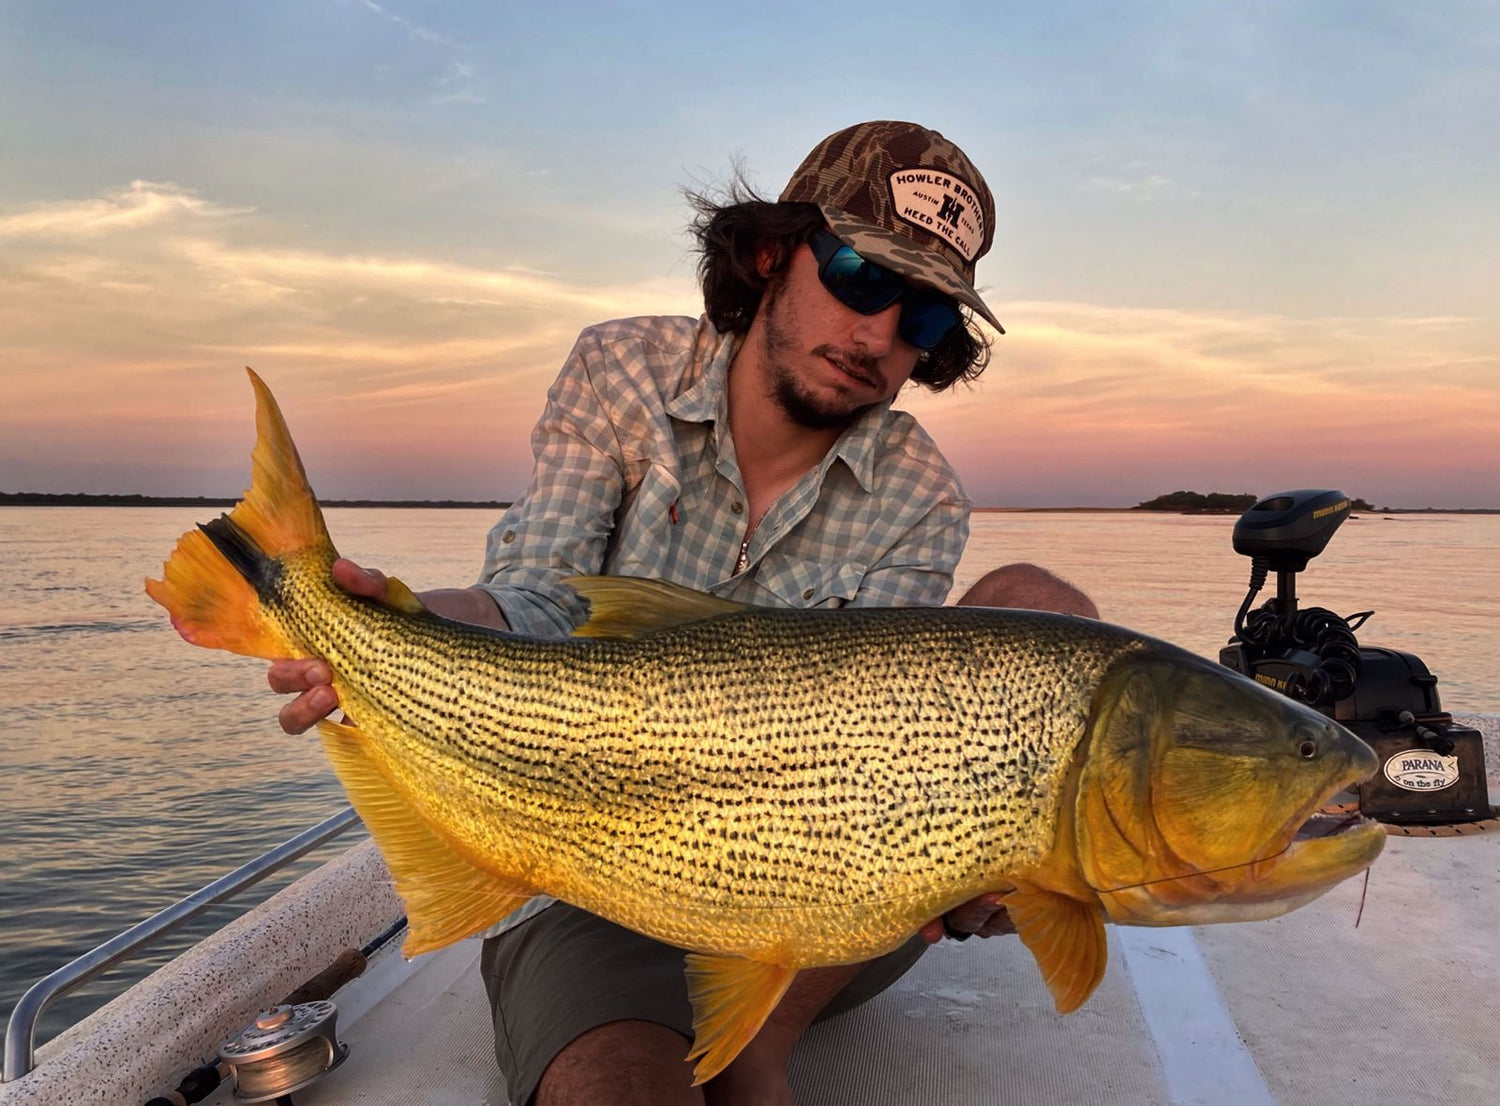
562, 523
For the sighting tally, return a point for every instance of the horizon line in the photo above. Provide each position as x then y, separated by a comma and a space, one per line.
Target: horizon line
136, 499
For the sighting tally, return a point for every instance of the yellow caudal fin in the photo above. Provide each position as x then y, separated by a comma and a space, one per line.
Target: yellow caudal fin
732, 997
212, 604
629, 606
220, 576
446, 897
1067, 939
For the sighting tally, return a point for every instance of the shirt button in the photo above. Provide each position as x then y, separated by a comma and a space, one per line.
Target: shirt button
508, 537
737, 507
807, 594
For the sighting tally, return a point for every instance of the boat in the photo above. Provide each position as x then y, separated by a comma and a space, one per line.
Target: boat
1386, 990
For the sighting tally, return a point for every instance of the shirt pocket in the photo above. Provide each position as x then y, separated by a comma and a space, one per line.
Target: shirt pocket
641, 539
795, 582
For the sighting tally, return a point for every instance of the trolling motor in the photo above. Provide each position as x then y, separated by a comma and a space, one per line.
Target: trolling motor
1432, 770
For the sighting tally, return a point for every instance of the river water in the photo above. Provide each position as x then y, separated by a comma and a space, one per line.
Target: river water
135, 769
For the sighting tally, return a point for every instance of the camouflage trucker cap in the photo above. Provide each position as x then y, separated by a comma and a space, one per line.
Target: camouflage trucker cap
906, 197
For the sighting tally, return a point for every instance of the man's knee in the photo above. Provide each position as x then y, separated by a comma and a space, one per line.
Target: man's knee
1030, 587
628, 1063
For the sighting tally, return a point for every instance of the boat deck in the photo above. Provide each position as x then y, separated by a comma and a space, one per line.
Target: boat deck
1297, 1011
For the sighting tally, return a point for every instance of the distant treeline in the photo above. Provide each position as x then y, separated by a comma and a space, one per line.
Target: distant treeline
1216, 503
1197, 502
82, 499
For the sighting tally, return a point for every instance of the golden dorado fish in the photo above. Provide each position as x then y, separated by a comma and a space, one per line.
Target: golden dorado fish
775, 790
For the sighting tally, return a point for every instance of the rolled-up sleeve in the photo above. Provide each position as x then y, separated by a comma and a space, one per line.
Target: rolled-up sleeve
561, 526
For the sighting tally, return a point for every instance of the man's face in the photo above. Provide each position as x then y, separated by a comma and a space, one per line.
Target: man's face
826, 362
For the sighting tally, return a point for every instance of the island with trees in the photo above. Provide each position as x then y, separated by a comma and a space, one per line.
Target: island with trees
1216, 503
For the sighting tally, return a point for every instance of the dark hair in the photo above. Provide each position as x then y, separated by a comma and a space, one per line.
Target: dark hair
729, 235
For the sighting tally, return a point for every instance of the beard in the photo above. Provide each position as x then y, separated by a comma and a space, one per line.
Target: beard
799, 403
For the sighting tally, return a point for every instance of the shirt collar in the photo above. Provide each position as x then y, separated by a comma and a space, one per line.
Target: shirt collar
707, 400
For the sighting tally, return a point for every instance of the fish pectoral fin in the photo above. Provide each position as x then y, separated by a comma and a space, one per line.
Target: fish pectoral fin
398, 595
1066, 937
629, 606
447, 898
732, 997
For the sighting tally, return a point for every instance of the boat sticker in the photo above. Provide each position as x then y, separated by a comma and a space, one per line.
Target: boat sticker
1421, 770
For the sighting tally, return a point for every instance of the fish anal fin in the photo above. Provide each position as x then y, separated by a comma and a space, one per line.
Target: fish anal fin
732, 997
629, 606
1066, 937
447, 898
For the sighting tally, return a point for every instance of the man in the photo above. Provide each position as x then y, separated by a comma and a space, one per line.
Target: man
753, 454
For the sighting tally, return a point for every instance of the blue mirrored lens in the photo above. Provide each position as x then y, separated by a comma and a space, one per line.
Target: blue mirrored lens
861, 284
924, 324
864, 286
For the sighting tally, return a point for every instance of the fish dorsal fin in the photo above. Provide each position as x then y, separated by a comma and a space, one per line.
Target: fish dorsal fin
401, 597
732, 998
1067, 939
629, 606
446, 897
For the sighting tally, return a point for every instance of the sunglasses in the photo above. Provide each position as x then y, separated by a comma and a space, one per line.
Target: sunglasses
926, 317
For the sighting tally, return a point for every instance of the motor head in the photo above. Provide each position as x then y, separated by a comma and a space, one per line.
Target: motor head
1288, 529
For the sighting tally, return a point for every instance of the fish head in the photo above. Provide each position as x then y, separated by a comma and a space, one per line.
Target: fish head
1198, 796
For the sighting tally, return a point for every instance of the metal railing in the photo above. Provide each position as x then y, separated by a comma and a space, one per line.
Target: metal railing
20, 1031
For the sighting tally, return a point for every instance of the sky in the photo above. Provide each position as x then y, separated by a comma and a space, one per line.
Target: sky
1239, 247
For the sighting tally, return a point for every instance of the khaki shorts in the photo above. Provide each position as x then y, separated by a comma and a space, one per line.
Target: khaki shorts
561, 973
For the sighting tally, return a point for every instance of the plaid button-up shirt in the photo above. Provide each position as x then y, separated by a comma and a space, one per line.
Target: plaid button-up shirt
636, 476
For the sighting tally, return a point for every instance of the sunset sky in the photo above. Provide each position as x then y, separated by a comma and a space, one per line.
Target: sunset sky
1239, 247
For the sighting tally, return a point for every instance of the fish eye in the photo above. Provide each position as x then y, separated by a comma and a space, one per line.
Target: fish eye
1307, 749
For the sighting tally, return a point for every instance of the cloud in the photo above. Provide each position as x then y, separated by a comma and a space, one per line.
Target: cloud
415, 30
117, 343
143, 204
195, 283
457, 84
1148, 187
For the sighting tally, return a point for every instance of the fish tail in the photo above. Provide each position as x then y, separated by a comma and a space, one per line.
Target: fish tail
224, 581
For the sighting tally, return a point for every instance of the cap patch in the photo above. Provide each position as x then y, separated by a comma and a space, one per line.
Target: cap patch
942, 204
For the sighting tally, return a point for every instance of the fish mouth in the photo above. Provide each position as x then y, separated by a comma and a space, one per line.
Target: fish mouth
1323, 848
1325, 823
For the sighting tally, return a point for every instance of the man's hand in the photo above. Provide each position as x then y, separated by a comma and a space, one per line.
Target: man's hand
983, 916
311, 681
